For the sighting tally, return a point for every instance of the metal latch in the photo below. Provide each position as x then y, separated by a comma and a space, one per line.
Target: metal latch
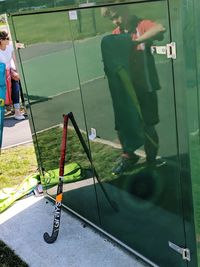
169, 50
185, 252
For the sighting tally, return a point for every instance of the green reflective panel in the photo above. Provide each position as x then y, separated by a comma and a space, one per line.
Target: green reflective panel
128, 95
50, 78
191, 11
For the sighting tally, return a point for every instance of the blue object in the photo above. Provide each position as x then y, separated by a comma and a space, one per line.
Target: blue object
2, 97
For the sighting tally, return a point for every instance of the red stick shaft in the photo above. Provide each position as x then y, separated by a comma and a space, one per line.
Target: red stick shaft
63, 146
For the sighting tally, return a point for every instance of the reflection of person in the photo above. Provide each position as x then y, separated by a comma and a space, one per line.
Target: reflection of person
144, 80
7, 57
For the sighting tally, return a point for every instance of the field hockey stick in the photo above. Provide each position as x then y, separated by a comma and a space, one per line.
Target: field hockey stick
57, 215
82, 141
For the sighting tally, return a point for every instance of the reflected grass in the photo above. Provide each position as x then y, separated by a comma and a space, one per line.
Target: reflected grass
56, 27
104, 156
89, 23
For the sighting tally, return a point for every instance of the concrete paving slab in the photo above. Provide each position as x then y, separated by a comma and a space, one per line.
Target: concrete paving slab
22, 227
16, 132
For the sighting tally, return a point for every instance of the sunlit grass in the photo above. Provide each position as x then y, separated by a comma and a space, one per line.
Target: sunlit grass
15, 164
8, 257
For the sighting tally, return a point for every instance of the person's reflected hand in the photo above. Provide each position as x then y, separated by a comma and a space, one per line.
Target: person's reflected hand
137, 42
14, 75
154, 33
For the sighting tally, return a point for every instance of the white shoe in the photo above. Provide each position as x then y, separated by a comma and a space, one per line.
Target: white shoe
19, 117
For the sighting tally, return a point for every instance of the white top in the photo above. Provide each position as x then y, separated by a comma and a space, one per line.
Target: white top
6, 55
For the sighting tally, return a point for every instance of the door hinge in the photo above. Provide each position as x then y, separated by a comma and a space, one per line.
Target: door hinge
185, 252
169, 50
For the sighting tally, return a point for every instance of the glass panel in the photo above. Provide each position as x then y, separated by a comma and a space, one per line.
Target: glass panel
133, 138
22, 6
50, 78
191, 51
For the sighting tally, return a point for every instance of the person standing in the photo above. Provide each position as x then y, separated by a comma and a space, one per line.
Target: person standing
12, 77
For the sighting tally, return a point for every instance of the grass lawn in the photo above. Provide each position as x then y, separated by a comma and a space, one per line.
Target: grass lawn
16, 163
8, 258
